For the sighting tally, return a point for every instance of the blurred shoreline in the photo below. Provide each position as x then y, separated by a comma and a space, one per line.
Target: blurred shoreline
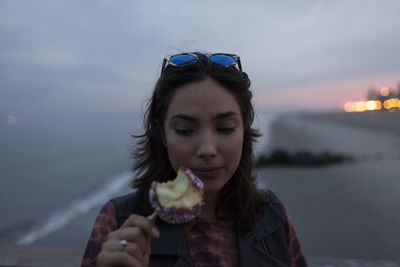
347, 210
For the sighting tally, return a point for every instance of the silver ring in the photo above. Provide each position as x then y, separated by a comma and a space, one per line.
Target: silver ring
123, 244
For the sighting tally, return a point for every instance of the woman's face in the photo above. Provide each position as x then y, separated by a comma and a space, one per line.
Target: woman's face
204, 132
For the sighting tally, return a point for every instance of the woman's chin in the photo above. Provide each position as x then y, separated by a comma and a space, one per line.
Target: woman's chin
211, 188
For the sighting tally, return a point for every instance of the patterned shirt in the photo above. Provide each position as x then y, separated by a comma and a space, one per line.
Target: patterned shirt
104, 224
198, 244
212, 242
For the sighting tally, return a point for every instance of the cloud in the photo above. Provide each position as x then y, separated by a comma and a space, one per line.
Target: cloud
87, 55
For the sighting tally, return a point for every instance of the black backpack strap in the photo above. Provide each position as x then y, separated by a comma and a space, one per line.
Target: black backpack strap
275, 205
132, 203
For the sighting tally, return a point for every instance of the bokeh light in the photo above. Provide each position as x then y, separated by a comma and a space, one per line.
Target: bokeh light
361, 106
385, 91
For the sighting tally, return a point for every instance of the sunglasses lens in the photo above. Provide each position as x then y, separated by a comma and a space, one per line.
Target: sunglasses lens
225, 60
182, 60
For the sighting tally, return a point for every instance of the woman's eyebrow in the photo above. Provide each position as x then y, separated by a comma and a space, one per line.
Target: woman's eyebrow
219, 116
224, 115
183, 117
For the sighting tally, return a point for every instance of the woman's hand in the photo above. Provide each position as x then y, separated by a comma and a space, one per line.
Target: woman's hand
137, 232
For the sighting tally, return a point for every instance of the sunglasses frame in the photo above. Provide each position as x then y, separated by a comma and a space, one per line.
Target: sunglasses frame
167, 60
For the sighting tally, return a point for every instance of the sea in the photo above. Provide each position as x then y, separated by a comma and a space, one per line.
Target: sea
56, 173
55, 170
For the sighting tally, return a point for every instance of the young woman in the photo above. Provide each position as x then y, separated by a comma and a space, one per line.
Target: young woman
199, 117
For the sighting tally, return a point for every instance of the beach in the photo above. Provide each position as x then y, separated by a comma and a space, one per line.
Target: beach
345, 214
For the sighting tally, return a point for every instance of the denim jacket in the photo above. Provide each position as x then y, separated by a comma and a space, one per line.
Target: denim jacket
265, 245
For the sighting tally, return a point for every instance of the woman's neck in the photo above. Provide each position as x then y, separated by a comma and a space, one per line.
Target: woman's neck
208, 209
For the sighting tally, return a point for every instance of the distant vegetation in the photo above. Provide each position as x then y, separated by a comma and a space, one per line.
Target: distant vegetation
301, 158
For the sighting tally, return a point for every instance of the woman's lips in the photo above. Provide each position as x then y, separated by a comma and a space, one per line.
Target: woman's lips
207, 173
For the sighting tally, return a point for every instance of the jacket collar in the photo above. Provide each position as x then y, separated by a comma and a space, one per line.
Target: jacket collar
248, 242
249, 255
263, 227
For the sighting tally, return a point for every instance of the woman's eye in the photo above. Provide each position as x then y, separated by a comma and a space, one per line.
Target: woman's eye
225, 130
184, 132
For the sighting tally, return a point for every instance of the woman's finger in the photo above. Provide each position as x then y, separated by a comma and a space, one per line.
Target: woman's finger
135, 235
145, 224
119, 258
131, 248
137, 231
152, 217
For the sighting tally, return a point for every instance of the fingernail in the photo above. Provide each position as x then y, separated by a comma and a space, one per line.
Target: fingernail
152, 217
155, 233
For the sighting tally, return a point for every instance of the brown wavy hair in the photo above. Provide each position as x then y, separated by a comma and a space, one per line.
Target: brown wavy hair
238, 199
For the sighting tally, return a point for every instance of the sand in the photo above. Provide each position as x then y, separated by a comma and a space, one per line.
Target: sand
348, 210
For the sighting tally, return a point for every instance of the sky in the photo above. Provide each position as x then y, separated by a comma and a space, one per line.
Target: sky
75, 58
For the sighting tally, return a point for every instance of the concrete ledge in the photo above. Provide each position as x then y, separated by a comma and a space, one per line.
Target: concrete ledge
328, 262
40, 256
45, 256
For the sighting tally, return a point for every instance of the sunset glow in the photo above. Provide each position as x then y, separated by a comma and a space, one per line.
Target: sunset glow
313, 96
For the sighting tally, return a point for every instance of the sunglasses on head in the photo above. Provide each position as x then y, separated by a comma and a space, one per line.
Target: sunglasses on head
185, 59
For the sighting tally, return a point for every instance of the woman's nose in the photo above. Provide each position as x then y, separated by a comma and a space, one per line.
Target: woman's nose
206, 147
